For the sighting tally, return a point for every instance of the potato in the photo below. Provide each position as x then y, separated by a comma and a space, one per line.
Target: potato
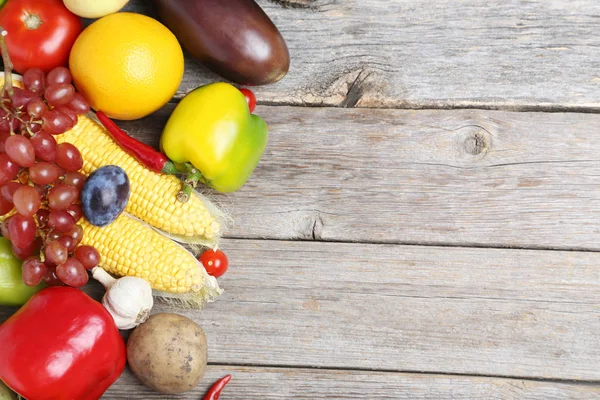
168, 353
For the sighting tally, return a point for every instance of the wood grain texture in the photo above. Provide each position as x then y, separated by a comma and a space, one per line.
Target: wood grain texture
488, 312
300, 384
462, 177
412, 54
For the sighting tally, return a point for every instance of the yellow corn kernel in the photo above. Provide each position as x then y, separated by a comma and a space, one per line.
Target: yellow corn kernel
128, 247
153, 196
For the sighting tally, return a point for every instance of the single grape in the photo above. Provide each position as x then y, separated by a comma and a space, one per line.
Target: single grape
42, 217
87, 256
74, 178
76, 234
59, 94
72, 273
8, 190
69, 113
56, 252
61, 196
21, 97
33, 79
21, 230
50, 279
53, 235
34, 127
61, 221
44, 146
76, 211
15, 125
3, 137
68, 157
56, 122
34, 271
26, 200
79, 104
22, 254
44, 173
4, 228
20, 150
59, 75
8, 169
6, 206
36, 108
68, 242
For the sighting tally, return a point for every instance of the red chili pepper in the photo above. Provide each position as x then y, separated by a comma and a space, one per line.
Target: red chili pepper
61, 344
215, 391
147, 155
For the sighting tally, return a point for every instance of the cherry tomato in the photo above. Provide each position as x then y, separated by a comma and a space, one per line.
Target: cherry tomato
250, 98
215, 262
40, 33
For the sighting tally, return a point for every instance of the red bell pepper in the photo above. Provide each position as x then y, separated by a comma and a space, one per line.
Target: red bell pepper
61, 344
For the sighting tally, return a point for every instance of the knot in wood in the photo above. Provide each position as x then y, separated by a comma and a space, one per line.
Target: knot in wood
476, 142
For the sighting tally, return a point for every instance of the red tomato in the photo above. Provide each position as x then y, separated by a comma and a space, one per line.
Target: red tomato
40, 33
215, 262
250, 98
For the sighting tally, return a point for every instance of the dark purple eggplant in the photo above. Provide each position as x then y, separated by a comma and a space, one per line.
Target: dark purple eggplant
234, 38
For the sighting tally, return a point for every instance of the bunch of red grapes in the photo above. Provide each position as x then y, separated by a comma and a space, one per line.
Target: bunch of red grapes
39, 179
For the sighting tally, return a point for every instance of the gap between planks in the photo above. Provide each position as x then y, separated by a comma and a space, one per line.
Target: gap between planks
425, 244
316, 384
593, 383
550, 109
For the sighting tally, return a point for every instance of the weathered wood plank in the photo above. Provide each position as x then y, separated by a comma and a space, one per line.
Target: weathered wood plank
409, 309
464, 177
405, 54
511, 313
302, 384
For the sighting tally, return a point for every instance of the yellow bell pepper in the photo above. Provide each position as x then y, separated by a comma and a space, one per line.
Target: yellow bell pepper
212, 128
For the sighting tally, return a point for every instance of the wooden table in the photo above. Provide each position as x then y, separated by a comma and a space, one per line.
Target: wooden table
425, 221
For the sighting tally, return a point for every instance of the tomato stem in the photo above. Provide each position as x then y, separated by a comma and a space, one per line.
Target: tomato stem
8, 65
32, 21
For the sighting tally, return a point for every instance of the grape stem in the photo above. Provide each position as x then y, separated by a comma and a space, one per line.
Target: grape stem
8, 65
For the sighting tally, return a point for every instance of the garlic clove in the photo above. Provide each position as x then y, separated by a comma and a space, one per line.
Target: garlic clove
129, 299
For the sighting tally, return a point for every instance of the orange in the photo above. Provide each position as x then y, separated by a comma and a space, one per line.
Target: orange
127, 65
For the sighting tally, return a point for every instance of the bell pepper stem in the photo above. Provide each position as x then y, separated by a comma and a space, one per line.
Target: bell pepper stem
186, 168
189, 184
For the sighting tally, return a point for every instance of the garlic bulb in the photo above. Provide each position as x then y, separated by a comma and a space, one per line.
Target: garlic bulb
128, 299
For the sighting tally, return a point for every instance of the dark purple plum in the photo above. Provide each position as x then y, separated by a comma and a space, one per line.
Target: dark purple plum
104, 195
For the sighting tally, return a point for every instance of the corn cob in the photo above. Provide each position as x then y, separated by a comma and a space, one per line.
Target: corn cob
128, 247
153, 196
